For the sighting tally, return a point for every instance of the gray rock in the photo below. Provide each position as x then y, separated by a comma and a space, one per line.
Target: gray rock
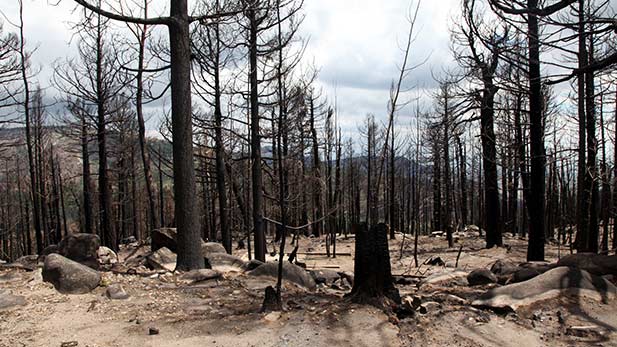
162, 259
447, 277
325, 276
106, 257
116, 292
291, 273
208, 248
252, 264
347, 276
225, 262
430, 306
68, 276
480, 277
81, 248
557, 282
200, 275
503, 268
8, 300
164, 237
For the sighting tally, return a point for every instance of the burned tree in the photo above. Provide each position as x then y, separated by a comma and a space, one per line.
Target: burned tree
372, 271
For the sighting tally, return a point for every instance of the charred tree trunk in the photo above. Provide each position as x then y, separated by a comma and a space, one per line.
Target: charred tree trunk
489, 161
535, 248
256, 172
372, 272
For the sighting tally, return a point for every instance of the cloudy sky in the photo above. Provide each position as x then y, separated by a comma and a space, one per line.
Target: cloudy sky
355, 43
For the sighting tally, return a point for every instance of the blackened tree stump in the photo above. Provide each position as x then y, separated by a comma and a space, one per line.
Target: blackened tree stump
373, 282
272, 302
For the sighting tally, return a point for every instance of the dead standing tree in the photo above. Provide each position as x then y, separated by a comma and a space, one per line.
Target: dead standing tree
187, 216
479, 46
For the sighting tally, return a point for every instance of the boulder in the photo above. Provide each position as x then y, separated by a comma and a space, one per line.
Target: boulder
208, 248
291, 273
225, 262
116, 292
106, 257
68, 276
596, 264
200, 275
8, 300
81, 248
503, 267
447, 277
164, 237
556, 282
480, 277
162, 259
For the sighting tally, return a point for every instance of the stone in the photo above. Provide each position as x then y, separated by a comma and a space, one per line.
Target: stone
68, 276
503, 267
8, 300
325, 276
557, 282
481, 277
162, 259
69, 344
211, 247
200, 275
82, 248
116, 292
347, 276
291, 273
106, 257
272, 316
224, 262
447, 277
252, 264
153, 331
430, 306
164, 237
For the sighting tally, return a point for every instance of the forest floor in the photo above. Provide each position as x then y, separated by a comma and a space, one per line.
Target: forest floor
225, 312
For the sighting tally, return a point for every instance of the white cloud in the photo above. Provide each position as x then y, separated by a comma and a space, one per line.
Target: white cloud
355, 43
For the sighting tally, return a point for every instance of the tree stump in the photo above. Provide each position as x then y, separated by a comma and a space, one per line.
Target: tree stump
373, 282
272, 302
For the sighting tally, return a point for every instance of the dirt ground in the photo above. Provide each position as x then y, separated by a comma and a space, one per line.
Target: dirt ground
225, 312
